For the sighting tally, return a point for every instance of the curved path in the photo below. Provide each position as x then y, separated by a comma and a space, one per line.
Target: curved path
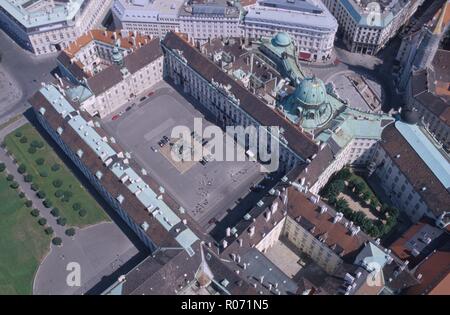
99, 250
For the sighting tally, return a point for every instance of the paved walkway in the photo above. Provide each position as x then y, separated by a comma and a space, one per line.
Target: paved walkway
99, 249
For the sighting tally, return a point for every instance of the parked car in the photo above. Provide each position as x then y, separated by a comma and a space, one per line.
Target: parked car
128, 108
142, 98
151, 93
115, 117
160, 143
154, 149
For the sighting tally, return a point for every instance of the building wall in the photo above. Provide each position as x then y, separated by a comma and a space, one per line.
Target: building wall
128, 89
217, 103
308, 244
44, 40
398, 188
367, 39
111, 200
272, 237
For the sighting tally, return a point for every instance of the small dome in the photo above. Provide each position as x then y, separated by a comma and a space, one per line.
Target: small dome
282, 39
410, 116
311, 91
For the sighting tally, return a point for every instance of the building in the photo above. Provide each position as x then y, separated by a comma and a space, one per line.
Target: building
419, 44
366, 26
309, 24
110, 69
48, 26
148, 17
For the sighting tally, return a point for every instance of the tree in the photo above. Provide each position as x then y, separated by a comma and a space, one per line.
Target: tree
47, 203
57, 241
49, 230
42, 221
18, 134
43, 174
341, 204
34, 187
14, 185
28, 203
55, 167
41, 194
40, 161
344, 174
35, 212
70, 232
2, 167
55, 212
366, 195
24, 139
61, 221
32, 150
28, 178
57, 183
22, 168
82, 213
10, 177
360, 186
59, 193
21, 195
76, 206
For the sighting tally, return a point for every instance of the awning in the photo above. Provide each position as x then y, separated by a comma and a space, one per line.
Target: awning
303, 55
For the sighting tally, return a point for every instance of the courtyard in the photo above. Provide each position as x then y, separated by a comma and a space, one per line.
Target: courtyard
205, 191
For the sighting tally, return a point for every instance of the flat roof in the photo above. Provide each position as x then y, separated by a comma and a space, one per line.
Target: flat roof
147, 11
31, 13
428, 152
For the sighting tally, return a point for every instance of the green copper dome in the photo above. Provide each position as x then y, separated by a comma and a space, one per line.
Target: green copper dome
281, 39
311, 91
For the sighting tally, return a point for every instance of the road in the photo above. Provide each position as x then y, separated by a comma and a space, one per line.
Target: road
25, 72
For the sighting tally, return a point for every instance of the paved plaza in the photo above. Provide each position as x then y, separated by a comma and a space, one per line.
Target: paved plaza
203, 190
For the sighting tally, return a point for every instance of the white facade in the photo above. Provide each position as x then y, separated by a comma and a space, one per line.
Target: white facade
366, 26
52, 26
312, 33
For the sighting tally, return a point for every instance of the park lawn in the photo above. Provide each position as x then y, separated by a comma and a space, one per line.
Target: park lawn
94, 212
23, 243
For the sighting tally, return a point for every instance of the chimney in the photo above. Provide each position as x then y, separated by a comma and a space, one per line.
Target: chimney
224, 244
267, 215
251, 230
261, 280
228, 231
245, 266
238, 259
240, 242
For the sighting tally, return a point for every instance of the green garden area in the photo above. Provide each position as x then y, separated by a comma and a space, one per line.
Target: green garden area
347, 192
23, 241
57, 187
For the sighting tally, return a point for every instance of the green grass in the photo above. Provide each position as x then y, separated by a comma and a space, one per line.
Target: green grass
95, 213
23, 243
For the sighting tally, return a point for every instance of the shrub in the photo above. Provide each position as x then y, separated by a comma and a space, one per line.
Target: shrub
70, 232
55, 212
82, 213
55, 167
28, 203
47, 203
18, 134
10, 177
76, 206
2, 167
32, 150
61, 221
59, 193
21, 195
57, 183
34, 144
34, 187
42, 221
57, 241
35, 212
40, 144
48, 231
41, 194
344, 174
43, 174
22, 168
40, 161
24, 139
14, 185
28, 178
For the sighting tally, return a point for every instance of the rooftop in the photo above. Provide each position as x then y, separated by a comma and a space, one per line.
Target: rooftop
38, 13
